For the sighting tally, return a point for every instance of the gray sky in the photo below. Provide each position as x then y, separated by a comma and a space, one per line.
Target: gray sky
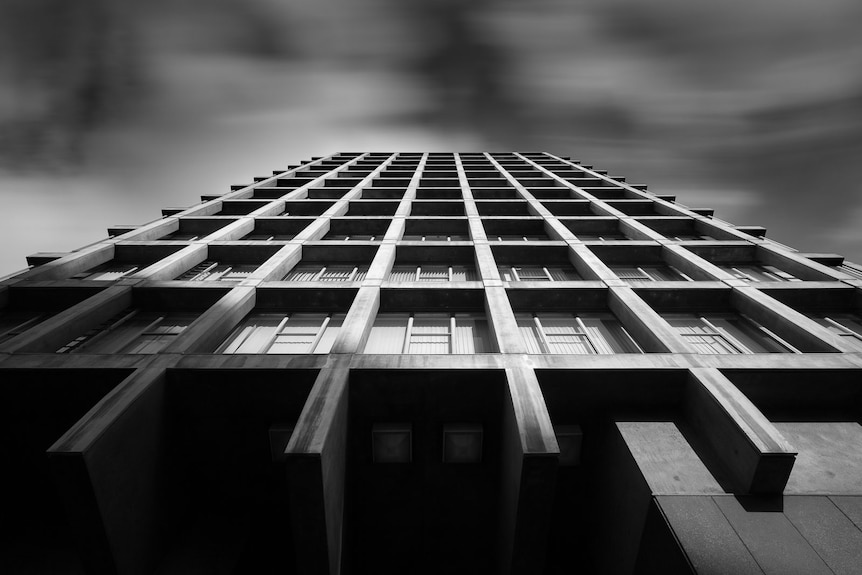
753, 108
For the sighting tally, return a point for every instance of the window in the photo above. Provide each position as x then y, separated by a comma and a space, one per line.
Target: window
274, 333
594, 333
610, 236
638, 274
210, 271
432, 273
517, 238
131, 332
352, 237
434, 238
327, 273
848, 326
538, 274
727, 334
107, 272
429, 334
755, 273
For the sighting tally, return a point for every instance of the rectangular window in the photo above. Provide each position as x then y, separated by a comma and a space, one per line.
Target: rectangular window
727, 334
756, 273
107, 272
429, 334
213, 271
131, 332
327, 273
595, 333
276, 333
640, 274
538, 274
848, 326
432, 273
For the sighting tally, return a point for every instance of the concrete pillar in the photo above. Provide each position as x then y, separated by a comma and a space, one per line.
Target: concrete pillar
316, 460
530, 454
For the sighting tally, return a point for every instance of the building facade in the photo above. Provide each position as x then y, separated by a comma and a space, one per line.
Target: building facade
433, 363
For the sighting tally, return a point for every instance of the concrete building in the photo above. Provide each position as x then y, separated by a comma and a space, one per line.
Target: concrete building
433, 363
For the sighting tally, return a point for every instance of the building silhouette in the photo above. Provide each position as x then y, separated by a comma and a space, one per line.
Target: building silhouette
433, 363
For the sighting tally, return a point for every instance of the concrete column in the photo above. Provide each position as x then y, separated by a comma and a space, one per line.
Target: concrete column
530, 454
647, 327
316, 460
360, 318
750, 447
215, 324
112, 475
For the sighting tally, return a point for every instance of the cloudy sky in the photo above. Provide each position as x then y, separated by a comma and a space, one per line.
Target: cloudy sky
110, 111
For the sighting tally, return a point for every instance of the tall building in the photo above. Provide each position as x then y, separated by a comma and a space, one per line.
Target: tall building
433, 363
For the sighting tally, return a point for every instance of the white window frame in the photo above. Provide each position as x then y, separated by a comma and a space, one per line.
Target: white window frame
240, 338
545, 343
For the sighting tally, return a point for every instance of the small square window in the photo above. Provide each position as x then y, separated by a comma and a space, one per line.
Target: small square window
392, 443
462, 443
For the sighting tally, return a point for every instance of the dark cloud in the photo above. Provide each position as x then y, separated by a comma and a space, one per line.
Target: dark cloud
753, 107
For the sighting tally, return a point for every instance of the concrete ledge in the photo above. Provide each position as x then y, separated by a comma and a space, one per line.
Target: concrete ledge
751, 448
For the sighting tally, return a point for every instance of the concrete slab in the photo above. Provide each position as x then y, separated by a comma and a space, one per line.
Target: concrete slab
829, 531
772, 539
706, 536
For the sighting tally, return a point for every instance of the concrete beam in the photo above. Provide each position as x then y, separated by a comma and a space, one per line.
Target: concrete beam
316, 459
750, 447
530, 454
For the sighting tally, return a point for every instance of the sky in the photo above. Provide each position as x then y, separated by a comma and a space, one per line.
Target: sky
114, 110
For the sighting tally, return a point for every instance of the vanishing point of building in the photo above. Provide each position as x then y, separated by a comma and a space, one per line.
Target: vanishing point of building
433, 363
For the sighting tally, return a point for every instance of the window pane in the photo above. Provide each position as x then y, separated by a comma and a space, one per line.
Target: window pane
565, 336
434, 274
337, 273
430, 335
532, 274
403, 274
608, 336
748, 335
529, 332
329, 334
387, 334
471, 335
631, 274
561, 274
254, 335
303, 273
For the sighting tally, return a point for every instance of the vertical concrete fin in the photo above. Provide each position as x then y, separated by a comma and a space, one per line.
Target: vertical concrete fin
750, 447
